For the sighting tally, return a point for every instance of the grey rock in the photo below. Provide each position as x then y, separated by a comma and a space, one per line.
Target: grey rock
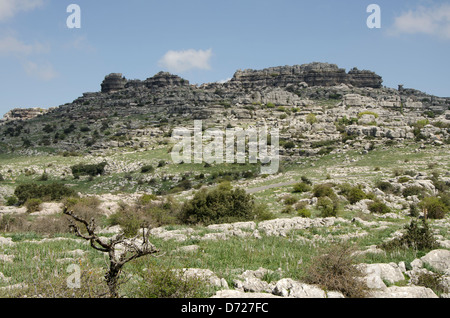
439, 260
404, 292
293, 289
229, 293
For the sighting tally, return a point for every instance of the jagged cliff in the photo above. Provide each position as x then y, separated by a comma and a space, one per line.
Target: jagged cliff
125, 111
314, 74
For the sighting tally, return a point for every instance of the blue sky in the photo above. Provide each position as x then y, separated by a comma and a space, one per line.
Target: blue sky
45, 64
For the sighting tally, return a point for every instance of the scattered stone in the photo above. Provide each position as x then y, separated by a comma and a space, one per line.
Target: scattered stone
206, 275
404, 292
6, 258
229, 293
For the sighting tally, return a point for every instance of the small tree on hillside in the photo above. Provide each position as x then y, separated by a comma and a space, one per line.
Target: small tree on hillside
120, 249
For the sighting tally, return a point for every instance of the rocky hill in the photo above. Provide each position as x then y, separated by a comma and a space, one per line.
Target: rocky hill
132, 113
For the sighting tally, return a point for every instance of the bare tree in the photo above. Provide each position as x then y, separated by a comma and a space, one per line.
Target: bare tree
120, 250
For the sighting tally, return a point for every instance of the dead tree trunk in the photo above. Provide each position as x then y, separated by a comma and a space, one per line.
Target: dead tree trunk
120, 249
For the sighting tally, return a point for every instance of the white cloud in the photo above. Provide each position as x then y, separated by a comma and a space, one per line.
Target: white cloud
434, 21
10, 45
80, 43
43, 71
182, 61
9, 8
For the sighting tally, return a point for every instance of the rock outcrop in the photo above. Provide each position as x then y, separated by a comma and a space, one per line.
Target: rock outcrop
19, 114
314, 74
113, 82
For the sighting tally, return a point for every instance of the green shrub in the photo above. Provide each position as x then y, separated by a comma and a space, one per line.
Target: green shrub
302, 187
146, 213
413, 210
290, 200
413, 190
311, 119
434, 281
324, 190
304, 213
288, 210
404, 179
385, 186
146, 199
328, 207
33, 205
361, 114
306, 180
50, 192
11, 201
88, 170
147, 169
416, 237
222, 204
161, 163
164, 282
289, 145
353, 194
435, 207
378, 207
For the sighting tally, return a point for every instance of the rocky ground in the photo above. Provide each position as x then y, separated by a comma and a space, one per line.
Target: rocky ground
336, 127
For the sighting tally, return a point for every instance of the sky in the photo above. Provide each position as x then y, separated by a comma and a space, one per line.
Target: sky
45, 61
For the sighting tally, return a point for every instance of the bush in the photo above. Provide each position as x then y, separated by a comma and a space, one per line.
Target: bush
304, 213
378, 207
302, 187
404, 179
434, 281
147, 169
420, 238
328, 207
352, 194
335, 270
146, 199
435, 207
290, 200
289, 145
33, 205
288, 210
306, 180
11, 201
165, 282
311, 119
219, 205
324, 190
88, 170
413, 190
161, 163
361, 114
385, 186
50, 192
147, 212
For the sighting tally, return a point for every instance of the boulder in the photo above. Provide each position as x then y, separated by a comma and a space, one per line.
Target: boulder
293, 289
439, 260
404, 292
390, 273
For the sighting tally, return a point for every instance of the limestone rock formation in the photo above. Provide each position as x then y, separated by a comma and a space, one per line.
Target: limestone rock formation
19, 114
314, 74
113, 82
